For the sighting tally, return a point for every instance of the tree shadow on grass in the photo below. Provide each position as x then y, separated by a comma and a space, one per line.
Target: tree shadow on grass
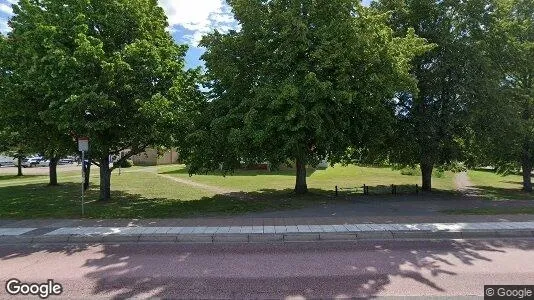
403, 191
498, 193
318, 270
15, 177
32, 201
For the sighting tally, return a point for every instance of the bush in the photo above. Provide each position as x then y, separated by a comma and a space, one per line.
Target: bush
457, 167
127, 164
411, 171
438, 173
416, 171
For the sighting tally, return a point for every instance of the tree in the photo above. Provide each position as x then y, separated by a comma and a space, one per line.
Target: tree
300, 81
432, 126
12, 145
508, 140
109, 71
11, 141
24, 99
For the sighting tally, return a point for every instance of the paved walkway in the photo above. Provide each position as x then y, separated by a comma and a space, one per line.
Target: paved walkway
260, 232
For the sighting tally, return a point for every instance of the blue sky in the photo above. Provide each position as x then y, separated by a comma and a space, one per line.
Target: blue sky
188, 21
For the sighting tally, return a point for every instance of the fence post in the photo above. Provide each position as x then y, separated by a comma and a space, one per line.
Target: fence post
336, 191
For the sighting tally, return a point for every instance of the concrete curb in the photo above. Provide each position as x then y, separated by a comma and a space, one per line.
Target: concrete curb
269, 237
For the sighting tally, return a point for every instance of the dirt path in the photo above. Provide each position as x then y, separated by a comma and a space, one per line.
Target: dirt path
464, 184
210, 188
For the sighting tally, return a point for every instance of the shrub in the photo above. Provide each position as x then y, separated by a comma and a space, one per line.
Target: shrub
416, 171
438, 173
127, 164
411, 171
457, 167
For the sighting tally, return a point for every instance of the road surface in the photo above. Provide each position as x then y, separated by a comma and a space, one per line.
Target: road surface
290, 271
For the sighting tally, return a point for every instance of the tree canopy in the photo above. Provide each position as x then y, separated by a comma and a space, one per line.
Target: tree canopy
432, 126
107, 70
300, 81
504, 121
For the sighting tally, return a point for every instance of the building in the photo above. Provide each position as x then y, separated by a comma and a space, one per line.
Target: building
151, 158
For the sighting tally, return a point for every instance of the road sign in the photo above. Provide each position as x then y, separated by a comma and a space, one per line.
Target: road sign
83, 144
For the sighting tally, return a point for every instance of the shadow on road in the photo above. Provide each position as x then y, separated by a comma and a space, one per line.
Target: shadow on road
315, 270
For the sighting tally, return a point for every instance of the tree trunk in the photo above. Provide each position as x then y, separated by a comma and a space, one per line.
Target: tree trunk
87, 174
19, 166
527, 173
300, 186
105, 179
52, 171
426, 172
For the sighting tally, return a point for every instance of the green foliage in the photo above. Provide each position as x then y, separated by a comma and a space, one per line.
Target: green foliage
301, 80
456, 167
507, 141
416, 171
107, 70
411, 171
431, 125
127, 163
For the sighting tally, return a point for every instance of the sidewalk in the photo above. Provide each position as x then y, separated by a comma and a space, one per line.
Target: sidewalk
245, 230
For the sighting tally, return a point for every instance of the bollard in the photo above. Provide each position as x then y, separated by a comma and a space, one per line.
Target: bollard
417, 189
336, 191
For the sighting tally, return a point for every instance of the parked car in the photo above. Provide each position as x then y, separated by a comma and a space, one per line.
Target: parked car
31, 162
7, 164
7, 161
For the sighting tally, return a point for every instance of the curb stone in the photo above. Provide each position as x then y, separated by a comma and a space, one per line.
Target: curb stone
298, 237
338, 236
121, 238
231, 238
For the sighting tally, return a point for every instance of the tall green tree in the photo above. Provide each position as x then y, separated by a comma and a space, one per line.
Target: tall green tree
504, 122
12, 142
23, 101
300, 81
109, 71
432, 126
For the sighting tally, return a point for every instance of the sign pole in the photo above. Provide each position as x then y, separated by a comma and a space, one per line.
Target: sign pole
83, 146
83, 181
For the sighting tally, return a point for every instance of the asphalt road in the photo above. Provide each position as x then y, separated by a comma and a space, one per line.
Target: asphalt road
291, 271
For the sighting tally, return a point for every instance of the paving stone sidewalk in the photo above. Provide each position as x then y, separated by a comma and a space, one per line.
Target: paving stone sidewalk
266, 233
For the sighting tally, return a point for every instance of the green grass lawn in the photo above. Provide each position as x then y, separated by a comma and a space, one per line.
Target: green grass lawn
135, 194
379, 179
495, 186
141, 193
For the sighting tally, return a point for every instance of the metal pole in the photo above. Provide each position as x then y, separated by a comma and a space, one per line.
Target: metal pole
83, 181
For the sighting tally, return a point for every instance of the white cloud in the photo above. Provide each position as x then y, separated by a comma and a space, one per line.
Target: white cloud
198, 17
3, 26
6, 8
